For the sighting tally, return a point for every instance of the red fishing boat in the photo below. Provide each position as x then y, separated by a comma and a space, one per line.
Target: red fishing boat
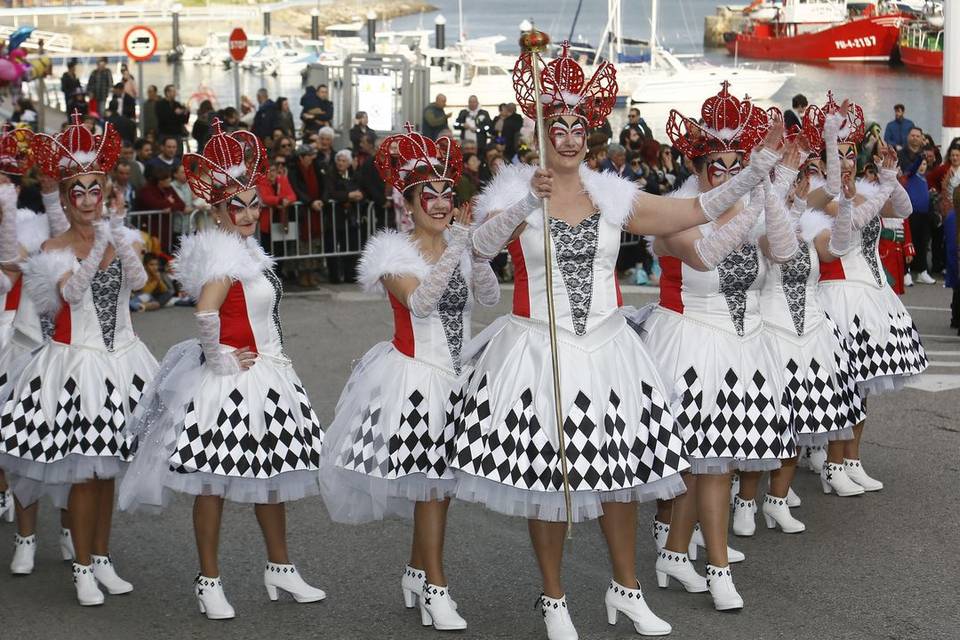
921, 44
817, 31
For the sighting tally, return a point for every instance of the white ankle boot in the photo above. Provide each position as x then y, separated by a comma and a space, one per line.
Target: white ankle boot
284, 577
697, 541
816, 457
630, 602
744, 522
7, 508
834, 479
88, 593
661, 532
776, 512
734, 487
106, 575
556, 617
671, 564
66, 544
211, 599
858, 474
411, 584
793, 500
720, 583
23, 555
436, 609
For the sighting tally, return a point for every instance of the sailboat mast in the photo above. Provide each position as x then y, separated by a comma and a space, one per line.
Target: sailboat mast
654, 6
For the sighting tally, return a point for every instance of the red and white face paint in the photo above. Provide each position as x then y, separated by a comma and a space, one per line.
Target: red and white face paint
436, 199
244, 208
86, 195
718, 171
848, 152
567, 137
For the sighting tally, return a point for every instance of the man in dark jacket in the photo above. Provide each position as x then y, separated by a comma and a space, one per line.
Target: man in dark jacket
172, 116
265, 120
317, 109
360, 130
99, 85
507, 125
69, 82
474, 124
794, 116
898, 129
343, 217
435, 118
635, 122
122, 103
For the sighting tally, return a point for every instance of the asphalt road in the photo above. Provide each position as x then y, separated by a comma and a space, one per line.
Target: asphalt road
881, 566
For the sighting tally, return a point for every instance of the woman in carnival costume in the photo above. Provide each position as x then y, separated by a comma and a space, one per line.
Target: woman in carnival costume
227, 417
706, 334
387, 449
63, 425
621, 442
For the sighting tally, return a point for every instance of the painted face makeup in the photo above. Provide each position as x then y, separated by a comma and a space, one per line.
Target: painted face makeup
437, 200
237, 206
848, 152
86, 195
567, 138
719, 171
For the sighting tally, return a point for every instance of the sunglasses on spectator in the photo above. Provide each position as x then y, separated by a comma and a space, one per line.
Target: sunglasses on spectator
285, 144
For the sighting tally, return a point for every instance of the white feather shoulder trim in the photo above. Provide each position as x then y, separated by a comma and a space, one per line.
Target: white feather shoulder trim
689, 189
212, 254
389, 253
867, 189
507, 188
41, 278
613, 194
33, 229
129, 235
812, 223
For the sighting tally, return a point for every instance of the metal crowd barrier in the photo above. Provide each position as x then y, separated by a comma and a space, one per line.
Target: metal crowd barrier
165, 225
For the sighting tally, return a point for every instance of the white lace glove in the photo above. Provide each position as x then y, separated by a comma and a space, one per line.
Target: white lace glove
133, 268
716, 201
55, 214
78, 283
831, 132
220, 362
870, 209
486, 287
9, 247
781, 228
798, 208
494, 233
712, 249
425, 297
902, 207
841, 231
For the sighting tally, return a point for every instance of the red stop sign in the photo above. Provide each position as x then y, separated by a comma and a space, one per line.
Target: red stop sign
238, 44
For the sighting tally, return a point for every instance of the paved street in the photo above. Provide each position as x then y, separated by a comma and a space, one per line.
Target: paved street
881, 566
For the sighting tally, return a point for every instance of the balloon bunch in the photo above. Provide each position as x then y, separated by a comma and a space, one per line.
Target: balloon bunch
14, 66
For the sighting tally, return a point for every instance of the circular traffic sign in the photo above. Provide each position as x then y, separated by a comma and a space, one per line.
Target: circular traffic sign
238, 44
140, 43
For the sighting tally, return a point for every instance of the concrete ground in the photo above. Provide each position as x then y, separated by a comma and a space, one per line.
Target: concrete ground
881, 566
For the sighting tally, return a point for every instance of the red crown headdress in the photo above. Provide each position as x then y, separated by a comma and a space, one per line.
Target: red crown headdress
564, 88
16, 154
409, 159
729, 125
75, 151
852, 129
809, 133
230, 163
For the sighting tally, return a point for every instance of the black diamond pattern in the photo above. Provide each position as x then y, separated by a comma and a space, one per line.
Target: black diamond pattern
105, 288
576, 249
794, 275
450, 307
737, 273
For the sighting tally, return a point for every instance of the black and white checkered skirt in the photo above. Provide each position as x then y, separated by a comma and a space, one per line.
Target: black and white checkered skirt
249, 437
820, 395
64, 417
389, 443
726, 393
621, 442
883, 343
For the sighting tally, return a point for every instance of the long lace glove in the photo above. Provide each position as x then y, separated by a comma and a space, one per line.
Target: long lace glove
220, 362
841, 231
781, 228
425, 297
486, 287
798, 208
868, 210
77, 285
494, 233
902, 207
713, 248
129, 257
9, 247
831, 131
716, 201
55, 215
